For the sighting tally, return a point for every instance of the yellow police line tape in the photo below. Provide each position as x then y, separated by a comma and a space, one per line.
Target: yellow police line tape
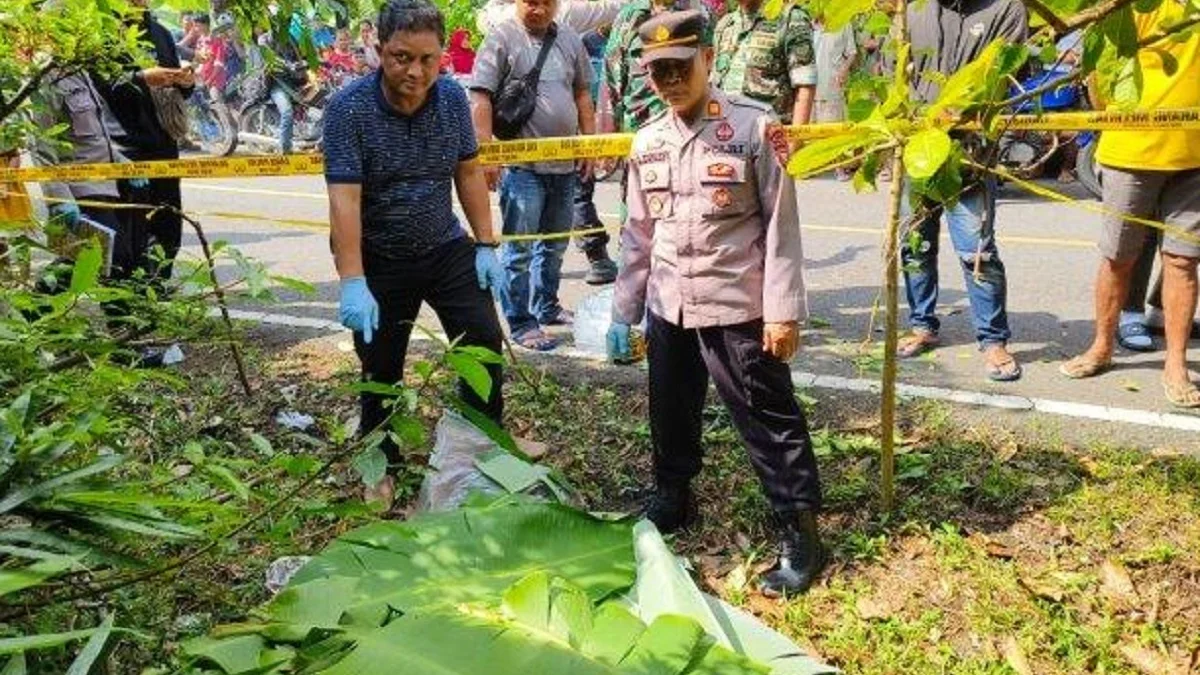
551, 149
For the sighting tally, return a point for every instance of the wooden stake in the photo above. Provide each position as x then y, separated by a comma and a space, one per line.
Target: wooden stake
887, 405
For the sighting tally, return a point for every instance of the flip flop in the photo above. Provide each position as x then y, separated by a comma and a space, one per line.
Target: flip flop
1135, 337
1007, 370
1081, 367
535, 340
1185, 396
565, 317
916, 344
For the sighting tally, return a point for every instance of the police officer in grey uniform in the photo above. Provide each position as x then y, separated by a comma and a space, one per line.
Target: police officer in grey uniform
712, 257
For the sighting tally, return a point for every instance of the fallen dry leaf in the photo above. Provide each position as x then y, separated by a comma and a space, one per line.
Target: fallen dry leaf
1015, 657
869, 609
998, 550
1042, 587
1152, 662
534, 449
879, 606
1116, 584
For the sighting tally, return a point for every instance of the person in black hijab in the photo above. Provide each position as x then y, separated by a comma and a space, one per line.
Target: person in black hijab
141, 135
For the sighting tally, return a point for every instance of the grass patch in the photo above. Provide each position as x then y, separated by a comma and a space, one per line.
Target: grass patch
1070, 560
999, 555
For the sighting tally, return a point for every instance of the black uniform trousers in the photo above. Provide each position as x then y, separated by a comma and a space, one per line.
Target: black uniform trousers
756, 389
165, 226
445, 278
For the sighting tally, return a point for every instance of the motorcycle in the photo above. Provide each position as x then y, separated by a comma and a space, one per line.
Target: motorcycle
259, 119
212, 125
1030, 154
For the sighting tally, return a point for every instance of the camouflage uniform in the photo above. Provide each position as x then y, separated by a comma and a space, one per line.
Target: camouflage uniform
765, 59
632, 100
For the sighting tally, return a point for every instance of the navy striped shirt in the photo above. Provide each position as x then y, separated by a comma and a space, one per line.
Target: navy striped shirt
405, 163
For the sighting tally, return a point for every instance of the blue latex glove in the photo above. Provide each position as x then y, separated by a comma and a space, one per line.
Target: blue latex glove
67, 213
488, 270
139, 183
358, 310
619, 350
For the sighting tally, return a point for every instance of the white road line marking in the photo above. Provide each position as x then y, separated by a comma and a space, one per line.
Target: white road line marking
254, 191
1074, 409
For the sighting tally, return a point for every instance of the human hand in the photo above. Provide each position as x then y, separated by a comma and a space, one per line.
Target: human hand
185, 77
586, 168
488, 270
781, 340
358, 310
67, 213
619, 349
491, 174
157, 77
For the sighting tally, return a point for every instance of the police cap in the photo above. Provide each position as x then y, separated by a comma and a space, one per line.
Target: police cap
673, 35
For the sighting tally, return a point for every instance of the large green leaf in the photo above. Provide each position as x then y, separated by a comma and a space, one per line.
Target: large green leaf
442, 559
232, 655
24, 494
975, 82
13, 580
664, 588
82, 664
15, 666
472, 372
822, 155
545, 626
839, 13
926, 152
26, 643
87, 268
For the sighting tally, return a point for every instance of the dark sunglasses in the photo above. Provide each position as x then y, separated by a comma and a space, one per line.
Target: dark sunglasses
665, 70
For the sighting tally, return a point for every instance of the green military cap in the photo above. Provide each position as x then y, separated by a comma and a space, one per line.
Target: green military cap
674, 35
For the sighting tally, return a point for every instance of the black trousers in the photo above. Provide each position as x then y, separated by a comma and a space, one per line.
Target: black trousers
446, 280
586, 218
756, 389
165, 228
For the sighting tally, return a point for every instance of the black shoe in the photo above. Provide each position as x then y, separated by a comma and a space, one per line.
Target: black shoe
671, 508
801, 555
601, 269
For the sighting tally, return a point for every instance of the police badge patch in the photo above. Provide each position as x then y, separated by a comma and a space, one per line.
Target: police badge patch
722, 198
724, 132
778, 140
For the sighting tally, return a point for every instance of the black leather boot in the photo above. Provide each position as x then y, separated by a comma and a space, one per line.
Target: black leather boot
671, 508
801, 555
601, 269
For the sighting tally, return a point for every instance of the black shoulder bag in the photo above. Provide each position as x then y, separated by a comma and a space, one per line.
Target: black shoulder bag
513, 105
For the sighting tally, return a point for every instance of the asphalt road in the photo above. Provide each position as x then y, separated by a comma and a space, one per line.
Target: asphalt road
1048, 248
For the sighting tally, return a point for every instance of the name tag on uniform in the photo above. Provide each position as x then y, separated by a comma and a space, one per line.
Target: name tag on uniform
724, 170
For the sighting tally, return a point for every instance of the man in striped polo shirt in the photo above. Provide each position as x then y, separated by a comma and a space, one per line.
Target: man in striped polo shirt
395, 141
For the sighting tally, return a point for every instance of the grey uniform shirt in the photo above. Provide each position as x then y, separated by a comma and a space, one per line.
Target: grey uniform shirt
713, 236
73, 101
949, 34
510, 51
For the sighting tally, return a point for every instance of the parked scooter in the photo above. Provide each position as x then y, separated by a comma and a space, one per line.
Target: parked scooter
1030, 154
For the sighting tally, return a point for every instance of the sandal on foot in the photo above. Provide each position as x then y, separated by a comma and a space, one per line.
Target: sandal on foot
565, 317
1185, 395
1082, 367
1005, 369
1135, 337
535, 340
916, 344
